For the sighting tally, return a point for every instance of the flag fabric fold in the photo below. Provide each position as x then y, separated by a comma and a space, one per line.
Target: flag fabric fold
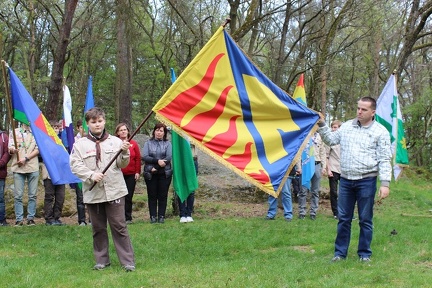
54, 154
184, 174
67, 118
230, 110
388, 113
308, 154
89, 102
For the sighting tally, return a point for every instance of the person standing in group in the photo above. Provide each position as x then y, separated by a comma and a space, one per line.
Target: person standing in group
105, 202
365, 154
157, 155
81, 210
186, 207
4, 159
320, 169
25, 166
132, 172
286, 197
333, 169
54, 194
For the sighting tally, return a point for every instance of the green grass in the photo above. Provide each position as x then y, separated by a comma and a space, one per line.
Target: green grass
233, 252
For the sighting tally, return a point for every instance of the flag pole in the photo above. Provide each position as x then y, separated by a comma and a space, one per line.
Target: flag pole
118, 152
9, 105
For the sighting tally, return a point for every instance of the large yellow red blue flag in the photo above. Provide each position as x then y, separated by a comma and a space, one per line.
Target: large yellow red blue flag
54, 154
233, 112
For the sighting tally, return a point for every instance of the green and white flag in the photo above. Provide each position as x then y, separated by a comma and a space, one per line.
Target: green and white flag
388, 113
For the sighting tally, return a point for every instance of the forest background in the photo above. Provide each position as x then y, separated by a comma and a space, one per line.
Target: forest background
346, 49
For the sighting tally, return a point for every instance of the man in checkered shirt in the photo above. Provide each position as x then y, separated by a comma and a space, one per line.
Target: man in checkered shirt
365, 155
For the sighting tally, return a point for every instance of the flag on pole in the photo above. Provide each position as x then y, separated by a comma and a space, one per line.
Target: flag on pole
89, 103
54, 154
308, 154
388, 113
184, 174
67, 118
229, 109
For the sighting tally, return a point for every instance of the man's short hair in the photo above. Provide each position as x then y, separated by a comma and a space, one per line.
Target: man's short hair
370, 100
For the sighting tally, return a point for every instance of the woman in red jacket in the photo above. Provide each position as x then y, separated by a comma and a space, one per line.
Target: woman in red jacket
132, 172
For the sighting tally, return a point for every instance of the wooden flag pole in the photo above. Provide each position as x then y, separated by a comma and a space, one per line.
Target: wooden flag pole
9, 105
118, 153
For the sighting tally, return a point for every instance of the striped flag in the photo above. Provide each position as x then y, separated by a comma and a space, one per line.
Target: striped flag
388, 113
67, 118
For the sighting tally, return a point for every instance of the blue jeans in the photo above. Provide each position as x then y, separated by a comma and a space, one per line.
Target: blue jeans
286, 202
186, 207
363, 192
19, 182
315, 189
2, 201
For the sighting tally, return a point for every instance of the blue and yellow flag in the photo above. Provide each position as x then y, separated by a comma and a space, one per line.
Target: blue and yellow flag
54, 154
232, 111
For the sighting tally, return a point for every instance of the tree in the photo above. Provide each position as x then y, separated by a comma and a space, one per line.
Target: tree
59, 60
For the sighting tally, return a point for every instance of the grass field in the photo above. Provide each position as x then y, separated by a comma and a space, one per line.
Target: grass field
233, 251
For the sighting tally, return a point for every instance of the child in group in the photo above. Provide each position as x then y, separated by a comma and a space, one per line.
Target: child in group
106, 200
54, 194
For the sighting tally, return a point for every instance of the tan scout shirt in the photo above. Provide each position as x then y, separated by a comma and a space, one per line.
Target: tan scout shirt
83, 165
26, 145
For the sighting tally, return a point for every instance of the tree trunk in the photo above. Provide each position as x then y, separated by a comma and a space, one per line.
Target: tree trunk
124, 65
56, 83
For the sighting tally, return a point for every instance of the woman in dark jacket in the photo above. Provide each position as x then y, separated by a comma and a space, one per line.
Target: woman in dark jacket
157, 154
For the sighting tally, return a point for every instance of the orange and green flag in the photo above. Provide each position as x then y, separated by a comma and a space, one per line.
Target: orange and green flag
229, 109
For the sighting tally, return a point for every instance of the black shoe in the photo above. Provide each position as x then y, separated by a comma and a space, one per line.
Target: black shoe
269, 218
19, 223
49, 223
161, 219
31, 222
312, 217
4, 223
153, 220
301, 217
58, 222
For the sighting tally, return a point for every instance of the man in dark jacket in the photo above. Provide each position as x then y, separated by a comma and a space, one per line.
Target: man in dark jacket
4, 159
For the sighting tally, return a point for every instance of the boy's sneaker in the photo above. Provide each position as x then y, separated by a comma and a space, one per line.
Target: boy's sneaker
365, 259
183, 220
189, 219
19, 223
100, 266
129, 268
82, 224
31, 222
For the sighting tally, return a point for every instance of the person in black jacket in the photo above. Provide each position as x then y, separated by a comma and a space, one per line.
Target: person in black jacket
157, 154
